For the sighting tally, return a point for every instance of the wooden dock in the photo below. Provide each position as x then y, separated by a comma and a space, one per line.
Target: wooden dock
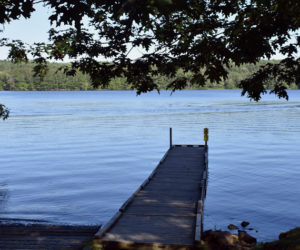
166, 211
38, 236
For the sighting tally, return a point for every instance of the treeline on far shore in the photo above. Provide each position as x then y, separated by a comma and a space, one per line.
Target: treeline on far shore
20, 77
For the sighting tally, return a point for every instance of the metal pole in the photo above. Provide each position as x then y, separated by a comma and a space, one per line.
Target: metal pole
170, 137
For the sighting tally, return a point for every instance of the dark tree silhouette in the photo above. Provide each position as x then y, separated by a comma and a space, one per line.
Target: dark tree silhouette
203, 37
4, 112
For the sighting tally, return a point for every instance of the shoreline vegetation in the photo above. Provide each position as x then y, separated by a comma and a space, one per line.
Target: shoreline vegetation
242, 240
225, 240
20, 77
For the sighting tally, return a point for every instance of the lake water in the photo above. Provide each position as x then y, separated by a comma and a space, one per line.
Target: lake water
75, 157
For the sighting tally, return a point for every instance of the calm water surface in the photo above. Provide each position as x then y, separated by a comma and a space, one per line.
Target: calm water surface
75, 157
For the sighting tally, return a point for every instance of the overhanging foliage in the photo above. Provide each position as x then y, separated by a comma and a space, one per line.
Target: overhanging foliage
204, 37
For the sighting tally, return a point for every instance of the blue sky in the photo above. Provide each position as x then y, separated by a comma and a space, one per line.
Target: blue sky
35, 30
28, 30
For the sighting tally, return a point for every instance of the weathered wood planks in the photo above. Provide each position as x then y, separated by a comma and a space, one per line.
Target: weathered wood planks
164, 212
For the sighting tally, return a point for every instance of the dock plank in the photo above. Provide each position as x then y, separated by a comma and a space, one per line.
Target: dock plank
164, 210
148, 229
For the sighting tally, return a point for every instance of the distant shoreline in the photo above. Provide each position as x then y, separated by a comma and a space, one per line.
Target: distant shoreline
20, 77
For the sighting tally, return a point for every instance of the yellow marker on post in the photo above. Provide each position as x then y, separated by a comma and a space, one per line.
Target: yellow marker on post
206, 136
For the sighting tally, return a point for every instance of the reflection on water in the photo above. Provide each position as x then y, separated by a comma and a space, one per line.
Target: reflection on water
3, 196
75, 157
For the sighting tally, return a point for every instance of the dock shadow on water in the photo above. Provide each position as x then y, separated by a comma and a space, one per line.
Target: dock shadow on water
3, 197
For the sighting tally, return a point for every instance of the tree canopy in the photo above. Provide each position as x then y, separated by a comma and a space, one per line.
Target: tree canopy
202, 37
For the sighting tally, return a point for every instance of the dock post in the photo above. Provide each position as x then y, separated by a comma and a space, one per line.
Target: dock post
206, 136
171, 138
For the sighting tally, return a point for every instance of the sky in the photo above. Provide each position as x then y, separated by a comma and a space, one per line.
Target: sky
35, 30
28, 30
